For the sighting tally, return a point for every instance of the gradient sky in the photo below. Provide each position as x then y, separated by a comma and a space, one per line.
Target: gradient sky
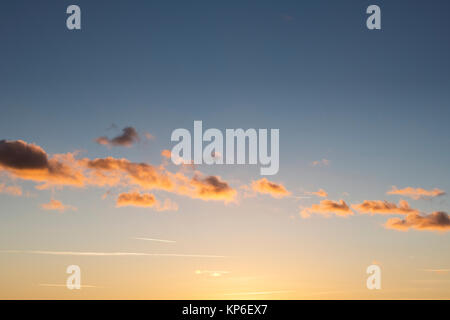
375, 104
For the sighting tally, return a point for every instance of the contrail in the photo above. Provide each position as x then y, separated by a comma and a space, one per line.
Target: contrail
157, 240
110, 254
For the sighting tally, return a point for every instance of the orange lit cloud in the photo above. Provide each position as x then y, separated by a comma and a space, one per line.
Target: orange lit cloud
273, 189
30, 162
416, 193
11, 190
207, 188
136, 199
166, 153
55, 205
320, 193
436, 221
128, 137
145, 200
327, 207
383, 207
111, 171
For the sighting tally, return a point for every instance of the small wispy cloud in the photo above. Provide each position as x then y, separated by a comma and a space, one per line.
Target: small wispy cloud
56, 205
321, 163
416, 193
437, 271
211, 273
301, 197
64, 285
11, 190
151, 239
110, 254
319, 193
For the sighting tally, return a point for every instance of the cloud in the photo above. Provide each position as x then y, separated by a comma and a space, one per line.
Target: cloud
436, 221
11, 190
135, 199
145, 200
166, 153
128, 137
111, 171
321, 163
156, 240
208, 188
30, 162
167, 205
273, 189
417, 193
211, 273
438, 271
109, 254
55, 205
383, 207
320, 193
327, 207
19, 155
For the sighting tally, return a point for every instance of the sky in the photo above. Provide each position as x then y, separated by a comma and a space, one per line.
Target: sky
363, 118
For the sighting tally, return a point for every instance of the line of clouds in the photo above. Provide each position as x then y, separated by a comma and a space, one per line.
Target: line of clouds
412, 218
30, 162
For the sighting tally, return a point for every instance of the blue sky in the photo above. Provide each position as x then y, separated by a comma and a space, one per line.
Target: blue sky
374, 103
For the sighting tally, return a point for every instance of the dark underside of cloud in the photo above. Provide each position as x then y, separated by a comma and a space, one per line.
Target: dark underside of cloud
127, 138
